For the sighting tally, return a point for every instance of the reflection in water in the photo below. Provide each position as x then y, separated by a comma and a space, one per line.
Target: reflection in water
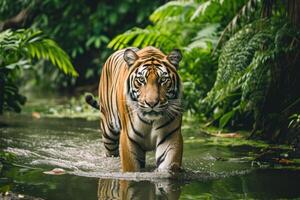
145, 190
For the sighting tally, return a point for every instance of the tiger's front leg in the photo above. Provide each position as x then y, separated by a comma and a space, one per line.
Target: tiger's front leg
169, 152
131, 153
110, 139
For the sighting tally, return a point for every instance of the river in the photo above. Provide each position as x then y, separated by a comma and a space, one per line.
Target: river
214, 167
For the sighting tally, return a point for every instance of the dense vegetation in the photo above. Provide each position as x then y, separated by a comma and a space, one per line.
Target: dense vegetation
240, 60
82, 28
18, 50
240, 63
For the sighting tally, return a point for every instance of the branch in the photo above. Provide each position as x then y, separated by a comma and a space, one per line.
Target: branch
15, 22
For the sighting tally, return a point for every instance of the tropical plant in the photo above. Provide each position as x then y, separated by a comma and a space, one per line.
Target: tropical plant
240, 58
257, 75
192, 26
245, 71
19, 50
82, 28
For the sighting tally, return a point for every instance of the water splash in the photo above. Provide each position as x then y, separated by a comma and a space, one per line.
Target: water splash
77, 148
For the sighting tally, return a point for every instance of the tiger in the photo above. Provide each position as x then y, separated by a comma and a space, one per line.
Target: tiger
147, 190
140, 103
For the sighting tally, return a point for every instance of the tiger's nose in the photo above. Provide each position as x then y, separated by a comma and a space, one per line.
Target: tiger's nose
152, 103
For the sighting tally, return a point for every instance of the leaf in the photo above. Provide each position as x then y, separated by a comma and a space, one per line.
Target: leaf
227, 135
49, 50
226, 118
55, 171
172, 9
17, 48
200, 10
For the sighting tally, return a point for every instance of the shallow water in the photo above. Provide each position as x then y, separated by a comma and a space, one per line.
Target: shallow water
215, 167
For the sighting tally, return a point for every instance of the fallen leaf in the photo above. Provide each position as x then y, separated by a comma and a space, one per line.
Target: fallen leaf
227, 135
36, 115
284, 161
55, 171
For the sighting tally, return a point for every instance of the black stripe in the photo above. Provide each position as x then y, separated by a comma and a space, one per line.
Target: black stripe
111, 149
136, 143
119, 62
165, 124
109, 138
111, 143
131, 139
140, 160
134, 130
162, 157
146, 122
108, 76
178, 85
159, 68
168, 135
128, 87
142, 163
110, 128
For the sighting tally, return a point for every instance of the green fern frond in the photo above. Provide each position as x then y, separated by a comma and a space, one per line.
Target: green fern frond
49, 50
201, 9
138, 37
173, 8
33, 44
245, 68
234, 60
206, 36
245, 12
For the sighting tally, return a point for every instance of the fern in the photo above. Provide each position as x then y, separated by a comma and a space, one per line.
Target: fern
192, 26
33, 44
174, 9
201, 9
245, 12
235, 64
176, 24
18, 49
244, 72
204, 37
140, 38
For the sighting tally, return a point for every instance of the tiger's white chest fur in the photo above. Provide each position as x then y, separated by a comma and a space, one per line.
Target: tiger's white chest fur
150, 133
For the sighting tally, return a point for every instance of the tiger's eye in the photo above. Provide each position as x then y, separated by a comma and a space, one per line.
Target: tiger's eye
141, 79
163, 79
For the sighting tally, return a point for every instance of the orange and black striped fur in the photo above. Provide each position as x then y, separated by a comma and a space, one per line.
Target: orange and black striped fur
140, 106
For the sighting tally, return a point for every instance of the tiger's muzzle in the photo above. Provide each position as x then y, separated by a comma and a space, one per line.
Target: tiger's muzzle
153, 110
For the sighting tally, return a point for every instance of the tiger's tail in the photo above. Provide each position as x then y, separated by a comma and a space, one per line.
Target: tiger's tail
89, 99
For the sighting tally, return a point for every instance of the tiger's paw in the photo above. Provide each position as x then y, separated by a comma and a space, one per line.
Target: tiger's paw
174, 168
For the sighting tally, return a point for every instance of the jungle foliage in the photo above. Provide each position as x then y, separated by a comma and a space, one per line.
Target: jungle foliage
82, 28
240, 57
19, 50
193, 26
240, 63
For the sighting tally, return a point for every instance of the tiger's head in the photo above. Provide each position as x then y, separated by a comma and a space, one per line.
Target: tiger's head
153, 86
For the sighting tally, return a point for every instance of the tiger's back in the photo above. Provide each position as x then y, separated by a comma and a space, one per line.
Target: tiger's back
112, 77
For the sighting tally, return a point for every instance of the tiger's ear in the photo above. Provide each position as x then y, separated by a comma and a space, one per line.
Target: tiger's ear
175, 57
130, 57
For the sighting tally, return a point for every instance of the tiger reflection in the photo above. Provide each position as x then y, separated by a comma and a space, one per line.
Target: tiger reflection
123, 190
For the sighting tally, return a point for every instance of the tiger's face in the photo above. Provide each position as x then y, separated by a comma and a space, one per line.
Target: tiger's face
153, 86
